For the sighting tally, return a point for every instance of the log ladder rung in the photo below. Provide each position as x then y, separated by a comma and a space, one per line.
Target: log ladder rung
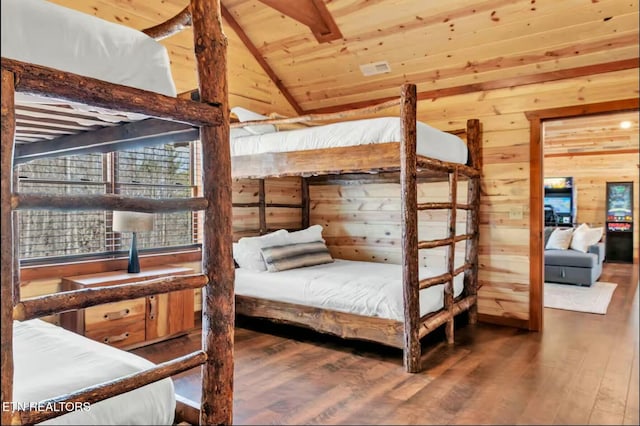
272, 205
443, 278
443, 206
443, 242
102, 391
430, 322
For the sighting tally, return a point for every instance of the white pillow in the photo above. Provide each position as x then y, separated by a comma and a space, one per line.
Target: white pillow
235, 256
246, 115
309, 235
560, 239
248, 254
584, 237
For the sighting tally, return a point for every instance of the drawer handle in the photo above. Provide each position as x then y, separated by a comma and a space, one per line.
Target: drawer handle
153, 307
117, 338
116, 315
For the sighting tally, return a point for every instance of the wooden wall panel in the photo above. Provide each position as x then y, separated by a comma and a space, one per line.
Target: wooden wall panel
591, 174
505, 213
361, 221
278, 191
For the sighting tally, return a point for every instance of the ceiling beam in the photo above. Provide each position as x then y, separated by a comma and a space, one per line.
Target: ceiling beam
524, 80
256, 54
312, 13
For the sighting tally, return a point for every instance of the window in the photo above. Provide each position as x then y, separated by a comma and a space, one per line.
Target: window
164, 171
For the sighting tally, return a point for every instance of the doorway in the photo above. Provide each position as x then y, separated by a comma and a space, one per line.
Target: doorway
536, 247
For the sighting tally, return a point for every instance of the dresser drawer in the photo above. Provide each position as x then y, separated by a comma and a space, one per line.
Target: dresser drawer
119, 324
122, 336
131, 323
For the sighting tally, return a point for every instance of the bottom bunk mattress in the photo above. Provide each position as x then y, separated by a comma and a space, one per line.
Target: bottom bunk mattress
362, 288
50, 361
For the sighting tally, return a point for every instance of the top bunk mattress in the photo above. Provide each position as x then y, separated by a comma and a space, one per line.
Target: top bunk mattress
43, 33
50, 361
431, 142
355, 287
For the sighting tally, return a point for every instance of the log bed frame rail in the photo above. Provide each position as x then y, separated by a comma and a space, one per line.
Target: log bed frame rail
211, 116
401, 161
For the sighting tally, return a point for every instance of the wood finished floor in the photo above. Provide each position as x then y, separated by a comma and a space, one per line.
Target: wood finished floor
582, 369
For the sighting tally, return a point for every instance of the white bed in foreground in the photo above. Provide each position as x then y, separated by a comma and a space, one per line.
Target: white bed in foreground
50, 361
44, 33
431, 142
363, 288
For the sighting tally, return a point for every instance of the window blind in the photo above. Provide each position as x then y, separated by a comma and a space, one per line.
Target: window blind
164, 171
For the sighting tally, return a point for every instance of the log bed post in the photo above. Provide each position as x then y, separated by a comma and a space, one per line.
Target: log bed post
474, 142
262, 207
6, 253
451, 253
210, 45
409, 201
305, 202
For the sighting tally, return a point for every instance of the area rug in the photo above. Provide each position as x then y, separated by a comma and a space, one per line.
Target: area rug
594, 299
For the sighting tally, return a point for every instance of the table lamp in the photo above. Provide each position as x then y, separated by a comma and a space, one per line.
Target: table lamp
132, 222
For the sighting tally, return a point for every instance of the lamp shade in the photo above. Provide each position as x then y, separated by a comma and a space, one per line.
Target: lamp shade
132, 221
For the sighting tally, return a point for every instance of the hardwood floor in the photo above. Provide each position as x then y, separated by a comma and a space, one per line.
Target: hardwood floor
582, 369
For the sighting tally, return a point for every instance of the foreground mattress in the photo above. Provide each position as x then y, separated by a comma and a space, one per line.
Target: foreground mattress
431, 142
51, 361
43, 33
363, 288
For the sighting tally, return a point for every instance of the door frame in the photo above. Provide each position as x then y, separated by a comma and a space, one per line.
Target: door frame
536, 225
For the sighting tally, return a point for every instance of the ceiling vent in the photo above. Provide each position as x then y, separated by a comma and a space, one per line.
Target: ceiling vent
375, 68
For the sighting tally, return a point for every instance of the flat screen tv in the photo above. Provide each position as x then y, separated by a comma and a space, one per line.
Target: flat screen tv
561, 204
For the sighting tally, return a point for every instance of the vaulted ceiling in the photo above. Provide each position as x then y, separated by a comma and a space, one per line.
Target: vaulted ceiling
280, 59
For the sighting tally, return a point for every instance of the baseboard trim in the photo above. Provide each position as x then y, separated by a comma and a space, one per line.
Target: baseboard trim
506, 321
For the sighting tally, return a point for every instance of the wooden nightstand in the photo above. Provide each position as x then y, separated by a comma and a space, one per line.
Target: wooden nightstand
131, 323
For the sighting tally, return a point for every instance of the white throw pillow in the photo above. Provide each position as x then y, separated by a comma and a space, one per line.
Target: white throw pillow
584, 237
309, 235
246, 115
248, 254
560, 239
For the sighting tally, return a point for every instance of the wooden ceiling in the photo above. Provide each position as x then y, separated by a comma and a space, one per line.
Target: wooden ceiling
280, 64
601, 133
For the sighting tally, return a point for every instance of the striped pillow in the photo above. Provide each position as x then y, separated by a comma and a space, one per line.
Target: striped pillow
281, 258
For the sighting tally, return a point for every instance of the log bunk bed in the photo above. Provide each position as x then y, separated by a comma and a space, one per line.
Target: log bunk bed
161, 119
395, 158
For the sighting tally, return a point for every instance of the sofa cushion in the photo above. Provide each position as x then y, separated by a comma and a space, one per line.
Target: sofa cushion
548, 230
584, 237
570, 258
560, 239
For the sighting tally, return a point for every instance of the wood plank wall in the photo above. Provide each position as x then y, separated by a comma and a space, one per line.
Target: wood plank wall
504, 240
504, 233
360, 220
591, 174
277, 191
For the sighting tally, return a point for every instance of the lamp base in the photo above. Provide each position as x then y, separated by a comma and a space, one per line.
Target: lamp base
134, 262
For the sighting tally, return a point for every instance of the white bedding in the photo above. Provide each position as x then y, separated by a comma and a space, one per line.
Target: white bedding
431, 142
363, 288
43, 33
50, 361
